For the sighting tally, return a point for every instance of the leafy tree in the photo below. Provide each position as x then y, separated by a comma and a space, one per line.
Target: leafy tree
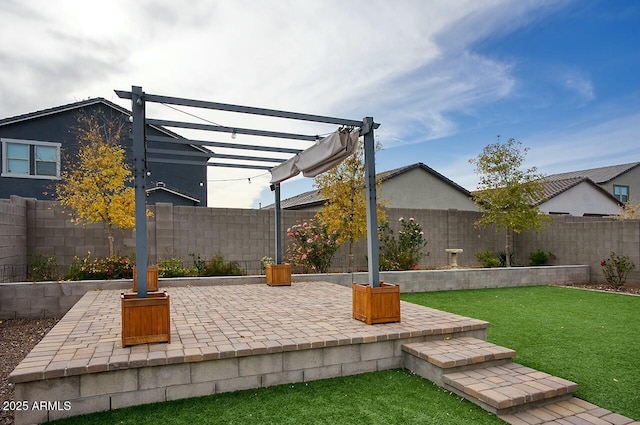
94, 185
629, 211
345, 211
507, 193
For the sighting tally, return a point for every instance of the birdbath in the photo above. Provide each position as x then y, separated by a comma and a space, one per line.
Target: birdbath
453, 263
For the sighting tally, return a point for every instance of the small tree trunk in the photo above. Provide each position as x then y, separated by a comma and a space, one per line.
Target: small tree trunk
110, 239
350, 264
507, 253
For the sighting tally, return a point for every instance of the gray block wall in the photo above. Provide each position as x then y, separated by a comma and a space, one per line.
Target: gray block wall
13, 230
33, 227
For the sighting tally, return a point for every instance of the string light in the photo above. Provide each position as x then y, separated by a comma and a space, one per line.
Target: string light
239, 179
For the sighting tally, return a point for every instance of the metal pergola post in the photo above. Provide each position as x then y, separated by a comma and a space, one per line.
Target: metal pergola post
140, 176
278, 217
372, 213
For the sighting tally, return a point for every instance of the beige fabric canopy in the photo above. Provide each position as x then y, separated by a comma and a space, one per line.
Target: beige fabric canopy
324, 155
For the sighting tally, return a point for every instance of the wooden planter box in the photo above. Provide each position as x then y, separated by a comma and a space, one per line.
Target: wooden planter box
278, 274
152, 279
376, 305
145, 320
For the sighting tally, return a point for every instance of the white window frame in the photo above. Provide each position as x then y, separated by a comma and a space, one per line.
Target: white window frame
619, 196
32, 169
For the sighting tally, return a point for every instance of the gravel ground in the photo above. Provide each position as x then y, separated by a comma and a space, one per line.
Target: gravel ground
17, 338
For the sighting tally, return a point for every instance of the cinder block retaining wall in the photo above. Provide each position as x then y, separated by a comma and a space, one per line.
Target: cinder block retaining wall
54, 299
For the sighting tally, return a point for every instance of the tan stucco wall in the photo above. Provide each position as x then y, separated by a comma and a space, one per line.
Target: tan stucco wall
631, 179
419, 189
580, 200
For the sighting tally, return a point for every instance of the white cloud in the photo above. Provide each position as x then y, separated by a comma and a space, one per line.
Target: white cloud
410, 64
581, 85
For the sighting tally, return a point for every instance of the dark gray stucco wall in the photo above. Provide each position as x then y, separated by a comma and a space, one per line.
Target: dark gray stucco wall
59, 127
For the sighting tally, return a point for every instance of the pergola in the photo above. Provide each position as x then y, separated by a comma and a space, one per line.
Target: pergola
142, 155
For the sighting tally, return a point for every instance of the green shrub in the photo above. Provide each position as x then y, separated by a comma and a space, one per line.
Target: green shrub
218, 267
198, 263
540, 258
502, 257
487, 259
173, 267
405, 252
616, 268
113, 267
43, 267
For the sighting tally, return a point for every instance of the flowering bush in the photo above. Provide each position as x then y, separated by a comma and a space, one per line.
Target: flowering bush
113, 267
405, 252
616, 268
311, 246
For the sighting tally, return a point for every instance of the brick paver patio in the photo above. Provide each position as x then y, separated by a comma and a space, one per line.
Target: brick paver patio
218, 322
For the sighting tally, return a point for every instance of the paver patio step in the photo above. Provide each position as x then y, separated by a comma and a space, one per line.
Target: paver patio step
570, 411
509, 387
455, 352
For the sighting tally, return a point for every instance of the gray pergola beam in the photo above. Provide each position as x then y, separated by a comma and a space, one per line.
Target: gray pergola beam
222, 129
209, 164
214, 155
242, 109
208, 143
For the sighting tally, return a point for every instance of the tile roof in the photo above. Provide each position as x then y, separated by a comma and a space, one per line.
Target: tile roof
312, 198
63, 108
598, 175
88, 102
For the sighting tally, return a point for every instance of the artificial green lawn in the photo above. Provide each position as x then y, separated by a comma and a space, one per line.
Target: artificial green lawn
588, 337
389, 397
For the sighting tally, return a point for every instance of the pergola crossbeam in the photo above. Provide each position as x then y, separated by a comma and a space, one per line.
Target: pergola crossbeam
229, 145
242, 109
209, 164
222, 129
214, 155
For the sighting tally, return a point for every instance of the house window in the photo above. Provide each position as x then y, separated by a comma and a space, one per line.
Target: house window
621, 193
30, 159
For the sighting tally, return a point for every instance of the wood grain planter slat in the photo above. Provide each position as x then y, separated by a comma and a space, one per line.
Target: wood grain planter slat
152, 279
376, 305
145, 320
278, 274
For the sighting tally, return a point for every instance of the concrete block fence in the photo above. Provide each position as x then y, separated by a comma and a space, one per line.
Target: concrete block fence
54, 299
29, 227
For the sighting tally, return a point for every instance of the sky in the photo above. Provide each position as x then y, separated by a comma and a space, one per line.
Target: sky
443, 78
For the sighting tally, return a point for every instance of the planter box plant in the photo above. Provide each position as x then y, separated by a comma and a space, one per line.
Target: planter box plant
278, 274
376, 305
145, 320
152, 279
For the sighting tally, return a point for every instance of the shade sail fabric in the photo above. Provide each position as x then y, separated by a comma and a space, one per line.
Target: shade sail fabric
324, 155
284, 171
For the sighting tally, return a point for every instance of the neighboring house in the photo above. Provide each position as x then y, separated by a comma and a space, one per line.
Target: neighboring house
621, 181
34, 147
578, 196
414, 186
